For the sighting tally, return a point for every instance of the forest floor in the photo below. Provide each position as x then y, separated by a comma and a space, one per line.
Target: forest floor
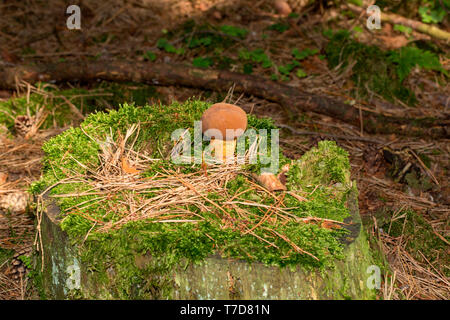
404, 194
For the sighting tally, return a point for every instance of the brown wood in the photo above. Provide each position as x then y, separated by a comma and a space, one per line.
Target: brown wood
290, 98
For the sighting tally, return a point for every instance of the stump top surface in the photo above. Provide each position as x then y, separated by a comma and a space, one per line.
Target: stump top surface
310, 223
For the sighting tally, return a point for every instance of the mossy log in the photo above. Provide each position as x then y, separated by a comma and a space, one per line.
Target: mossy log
67, 276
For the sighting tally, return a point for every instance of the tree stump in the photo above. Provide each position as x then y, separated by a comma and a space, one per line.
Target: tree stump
312, 247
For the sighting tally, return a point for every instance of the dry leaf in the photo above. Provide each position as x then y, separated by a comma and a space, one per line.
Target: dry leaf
270, 182
217, 15
394, 42
387, 28
127, 168
3, 177
281, 176
329, 225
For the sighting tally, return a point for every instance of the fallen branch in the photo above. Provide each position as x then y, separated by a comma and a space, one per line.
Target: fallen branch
397, 19
292, 99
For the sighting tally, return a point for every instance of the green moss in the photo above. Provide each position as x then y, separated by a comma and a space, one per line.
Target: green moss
376, 70
418, 235
14, 107
60, 114
5, 255
323, 165
322, 175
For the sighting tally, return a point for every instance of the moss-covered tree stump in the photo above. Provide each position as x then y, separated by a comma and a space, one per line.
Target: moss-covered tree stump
106, 233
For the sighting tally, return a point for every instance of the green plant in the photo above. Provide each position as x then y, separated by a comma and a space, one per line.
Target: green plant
27, 261
376, 70
300, 55
202, 62
300, 73
356, 2
357, 30
198, 42
164, 44
256, 56
418, 236
286, 69
234, 31
248, 68
407, 58
279, 26
434, 11
406, 30
149, 55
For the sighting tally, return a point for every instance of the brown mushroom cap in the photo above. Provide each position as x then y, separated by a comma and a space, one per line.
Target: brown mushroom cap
282, 7
223, 116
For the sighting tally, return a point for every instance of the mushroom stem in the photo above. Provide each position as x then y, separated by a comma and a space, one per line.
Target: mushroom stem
223, 149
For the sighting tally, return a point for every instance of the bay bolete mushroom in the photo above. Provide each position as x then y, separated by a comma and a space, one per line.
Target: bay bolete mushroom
223, 123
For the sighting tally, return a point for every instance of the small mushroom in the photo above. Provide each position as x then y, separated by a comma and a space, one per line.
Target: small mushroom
282, 7
223, 123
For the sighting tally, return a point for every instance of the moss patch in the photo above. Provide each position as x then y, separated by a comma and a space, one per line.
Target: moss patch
379, 71
54, 102
419, 236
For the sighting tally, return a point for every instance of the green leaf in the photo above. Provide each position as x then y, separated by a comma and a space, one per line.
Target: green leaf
300, 73
286, 69
356, 2
429, 15
358, 29
300, 55
197, 42
408, 57
257, 55
164, 44
248, 68
149, 56
202, 62
280, 27
234, 31
328, 33
244, 54
401, 28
